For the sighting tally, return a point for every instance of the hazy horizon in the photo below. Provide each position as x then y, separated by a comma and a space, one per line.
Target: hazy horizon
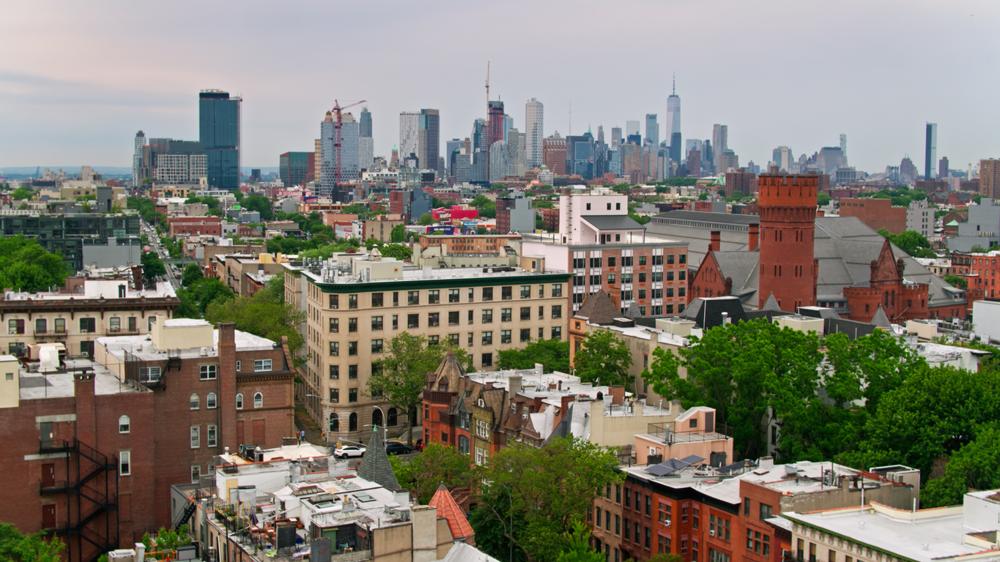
77, 80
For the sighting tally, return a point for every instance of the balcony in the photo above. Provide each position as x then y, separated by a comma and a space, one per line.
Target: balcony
49, 446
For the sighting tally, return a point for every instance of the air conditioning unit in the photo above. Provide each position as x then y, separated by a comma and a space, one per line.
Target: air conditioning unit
666, 522
711, 532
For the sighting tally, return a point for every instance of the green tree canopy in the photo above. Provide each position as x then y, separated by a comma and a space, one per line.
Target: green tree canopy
973, 467
487, 207
553, 354
530, 501
425, 219
18, 547
265, 314
603, 358
578, 546
26, 266
259, 203
437, 464
196, 297
152, 266
398, 234
191, 274
911, 242
401, 252
22, 193
402, 374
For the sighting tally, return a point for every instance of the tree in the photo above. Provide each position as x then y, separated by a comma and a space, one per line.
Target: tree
822, 199
487, 207
552, 354
259, 203
425, 219
973, 467
398, 251
152, 267
911, 242
956, 281
398, 234
603, 358
26, 266
402, 374
578, 546
18, 547
22, 193
437, 464
530, 501
191, 274
265, 314
196, 298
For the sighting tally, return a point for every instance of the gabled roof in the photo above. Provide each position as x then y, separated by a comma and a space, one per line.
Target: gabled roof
612, 222
771, 304
881, 320
448, 508
598, 308
375, 464
707, 312
461, 552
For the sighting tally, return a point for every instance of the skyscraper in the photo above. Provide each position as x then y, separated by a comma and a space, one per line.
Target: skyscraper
409, 134
453, 148
533, 128
843, 147
366, 144
429, 139
652, 130
930, 150
137, 160
496, 121
349, 164
631, 128
219, 133
673, 124
943, 170
720, 143
782, 158
616, 136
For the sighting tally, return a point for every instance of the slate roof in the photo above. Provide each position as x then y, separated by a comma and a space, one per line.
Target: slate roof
448, 508
375, 465
707, 312
741, 267
612, 222
598, 308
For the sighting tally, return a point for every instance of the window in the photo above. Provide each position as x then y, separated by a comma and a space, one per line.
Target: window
352, 348
392, 417
556, 311
149, 374
239, 366
765, 511
352, 371
453, 318
453, 295
194, 402
239, 401
124, 424
434, 319
488, 337
16, 327
525, 335
334, 422
60, 325
487, 316
124, 462
87, 326
487, 360
487, 293
525, 313
115, 324
481, 456
208, 372
377, 300
413, 297
505, 314
505, 336
262, 365
412, 321
507, 293
557, 332
211, 401
41, 325
334, 349
258, 400
434, 296
335, 302
335, 395
376, 323
352, 325
195, 437
746, 506
352, 301
195, 473
376, 346
352, 395
463, 444
352, 422
482, 429
557, 290
212, 435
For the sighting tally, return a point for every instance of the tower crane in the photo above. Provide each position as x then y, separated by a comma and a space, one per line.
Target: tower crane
338, 123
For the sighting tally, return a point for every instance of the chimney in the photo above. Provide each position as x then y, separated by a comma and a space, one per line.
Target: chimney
753, 238
617, 395
86, 407
227, 384
514, 384
716, 241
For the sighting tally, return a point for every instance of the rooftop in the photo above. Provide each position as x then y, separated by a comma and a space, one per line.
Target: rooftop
35, 385
542, 385
96, 289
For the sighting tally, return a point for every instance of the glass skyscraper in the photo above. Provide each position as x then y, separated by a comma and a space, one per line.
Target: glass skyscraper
219, 133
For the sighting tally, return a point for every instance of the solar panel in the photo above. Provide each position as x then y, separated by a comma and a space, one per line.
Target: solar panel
692, 459
660, 470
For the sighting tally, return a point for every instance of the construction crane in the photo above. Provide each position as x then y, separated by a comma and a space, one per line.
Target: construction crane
338, 123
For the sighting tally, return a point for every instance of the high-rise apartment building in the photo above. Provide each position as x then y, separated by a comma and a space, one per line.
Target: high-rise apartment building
296, 168
495, 122
219, 133
720, 143
616, 136
989, 178
348, 155
943, 169
533, 128
138, 171
783, 158
358, 303
843, 147
930, 150
409, 134
429, 139
554, 154
366, 143
652, 130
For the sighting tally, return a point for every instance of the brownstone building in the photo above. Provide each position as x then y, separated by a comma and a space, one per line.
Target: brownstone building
874, 212
91, 448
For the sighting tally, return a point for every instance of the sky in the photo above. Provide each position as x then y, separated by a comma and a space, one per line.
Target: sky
78, 79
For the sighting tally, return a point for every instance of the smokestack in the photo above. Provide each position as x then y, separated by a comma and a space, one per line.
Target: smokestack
716, 242
753, 238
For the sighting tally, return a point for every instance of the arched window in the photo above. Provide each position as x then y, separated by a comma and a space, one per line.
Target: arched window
211, 401
392, 421
194, 401
258, 400
239, 401
377, 417
352, 422
124, 424
334, 423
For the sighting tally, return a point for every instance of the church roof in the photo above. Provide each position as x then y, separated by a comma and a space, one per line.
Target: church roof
449, 509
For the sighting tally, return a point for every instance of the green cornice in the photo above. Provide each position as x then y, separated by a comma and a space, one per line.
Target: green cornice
403, 285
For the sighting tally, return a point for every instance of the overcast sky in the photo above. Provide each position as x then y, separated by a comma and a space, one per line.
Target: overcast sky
77, 79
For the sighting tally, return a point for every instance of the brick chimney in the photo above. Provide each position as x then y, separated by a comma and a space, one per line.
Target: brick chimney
716, 241
227, 385
617, 395
86, 408
753, 238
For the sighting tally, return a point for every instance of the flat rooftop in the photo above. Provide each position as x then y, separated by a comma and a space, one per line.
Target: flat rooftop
142, 346
96, 289
928, 535
411, 273
535, 385
38, 386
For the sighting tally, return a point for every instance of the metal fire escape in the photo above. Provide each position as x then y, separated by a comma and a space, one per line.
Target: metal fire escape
91, 506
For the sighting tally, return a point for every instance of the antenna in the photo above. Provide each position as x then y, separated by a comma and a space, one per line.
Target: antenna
487, 83
674, 92
570, 118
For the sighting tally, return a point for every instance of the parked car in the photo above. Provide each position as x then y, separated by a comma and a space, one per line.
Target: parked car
349, 452
397, 448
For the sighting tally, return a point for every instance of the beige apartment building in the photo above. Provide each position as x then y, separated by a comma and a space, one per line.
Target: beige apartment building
355, 304
79, 313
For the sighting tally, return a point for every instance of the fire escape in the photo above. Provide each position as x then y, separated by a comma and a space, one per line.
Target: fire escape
90, 525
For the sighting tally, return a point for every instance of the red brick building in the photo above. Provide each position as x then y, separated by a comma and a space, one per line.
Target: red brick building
900, 301
875, 212
190, 226
91, 449
554, 153
981, 272
788, 269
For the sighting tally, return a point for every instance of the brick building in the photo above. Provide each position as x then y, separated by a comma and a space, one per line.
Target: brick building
877, 213
788, 270
981, 272
188, 226
742, 182
91, 448
886, 290
554, 154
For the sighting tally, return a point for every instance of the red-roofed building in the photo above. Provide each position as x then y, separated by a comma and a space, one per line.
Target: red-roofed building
449, 509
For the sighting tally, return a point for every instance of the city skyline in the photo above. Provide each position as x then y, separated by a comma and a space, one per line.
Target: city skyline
83, 105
